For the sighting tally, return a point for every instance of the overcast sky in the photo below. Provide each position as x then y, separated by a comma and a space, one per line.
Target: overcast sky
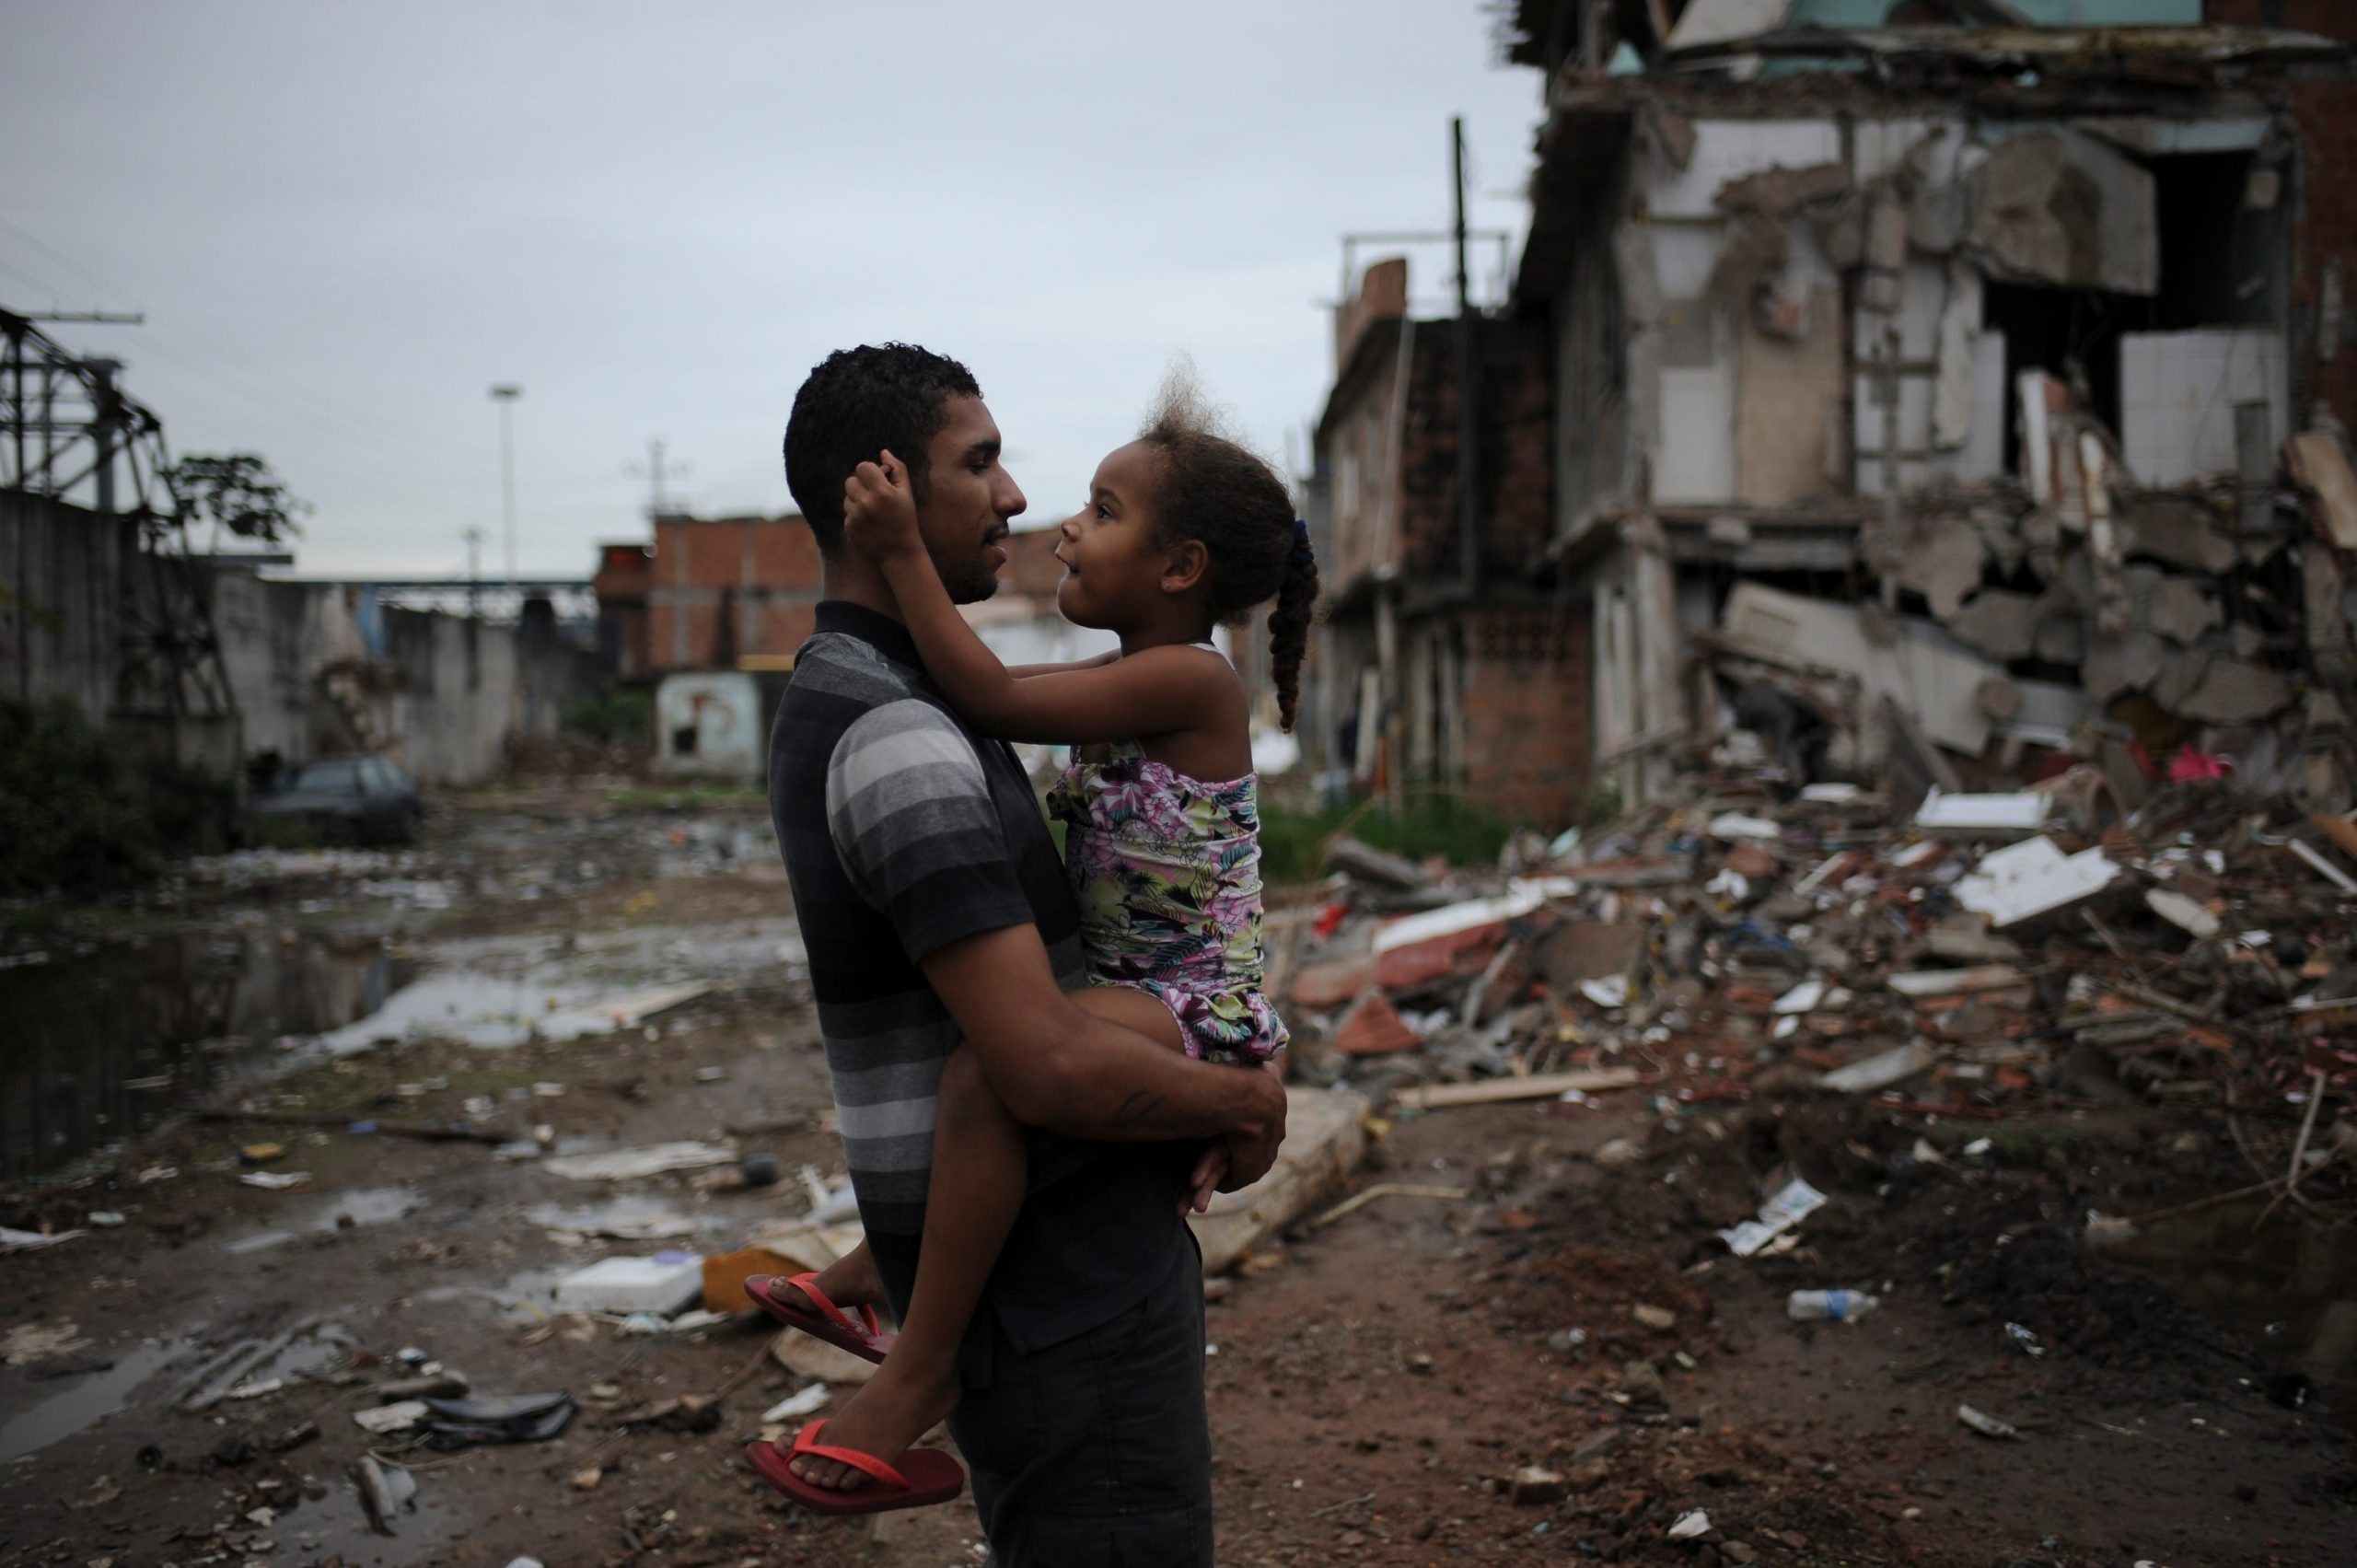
346, 223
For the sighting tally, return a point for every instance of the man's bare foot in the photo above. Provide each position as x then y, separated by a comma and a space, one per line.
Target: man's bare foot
891, 1411
851, 1280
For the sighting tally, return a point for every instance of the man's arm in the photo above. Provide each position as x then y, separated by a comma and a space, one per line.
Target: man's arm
1061, 1069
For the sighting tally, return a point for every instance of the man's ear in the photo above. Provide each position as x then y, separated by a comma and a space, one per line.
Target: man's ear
1185, 566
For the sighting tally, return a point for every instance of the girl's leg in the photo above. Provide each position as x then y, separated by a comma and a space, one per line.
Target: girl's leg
978, 1169
979, 1174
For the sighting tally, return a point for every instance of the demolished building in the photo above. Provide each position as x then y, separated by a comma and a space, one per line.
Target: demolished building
1928, 385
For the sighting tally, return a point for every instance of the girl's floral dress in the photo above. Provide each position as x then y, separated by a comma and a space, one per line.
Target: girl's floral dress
1167, 872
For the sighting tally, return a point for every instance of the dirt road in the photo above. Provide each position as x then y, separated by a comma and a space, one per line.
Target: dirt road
1377, 1386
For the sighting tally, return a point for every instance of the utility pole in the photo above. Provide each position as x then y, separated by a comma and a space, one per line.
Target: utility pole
655, 472
1468, 385
504, 395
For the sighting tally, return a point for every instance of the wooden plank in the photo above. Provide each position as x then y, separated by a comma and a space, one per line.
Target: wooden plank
1539, 1086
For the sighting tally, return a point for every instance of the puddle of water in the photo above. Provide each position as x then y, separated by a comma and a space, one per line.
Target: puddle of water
104, 1046
93, 1398
625, 1218
2289, 1284
342, 1211
502, 991
525, 1297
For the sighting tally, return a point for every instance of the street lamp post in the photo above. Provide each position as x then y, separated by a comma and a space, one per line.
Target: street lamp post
504, 395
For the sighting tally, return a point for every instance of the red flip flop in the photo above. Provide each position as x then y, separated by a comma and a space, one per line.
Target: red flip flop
829, 1323
926, 1476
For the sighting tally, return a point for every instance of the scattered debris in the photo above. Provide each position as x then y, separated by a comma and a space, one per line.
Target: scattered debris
1790, 1204
631, 1165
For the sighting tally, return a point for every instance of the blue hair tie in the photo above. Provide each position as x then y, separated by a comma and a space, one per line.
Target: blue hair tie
1301, 554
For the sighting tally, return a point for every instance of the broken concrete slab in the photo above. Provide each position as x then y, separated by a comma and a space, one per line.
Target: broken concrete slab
2177, 530
2216, 690
1923, 672
1940, 558
2063, 209
2131, 662
1998, 621
2180, 609
2062, 638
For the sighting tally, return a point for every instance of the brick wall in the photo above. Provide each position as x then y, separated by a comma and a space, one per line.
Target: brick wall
760, 574
1517, 479
1526, 711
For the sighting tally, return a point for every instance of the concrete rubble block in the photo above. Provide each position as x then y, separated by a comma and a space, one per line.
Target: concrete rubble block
2175, 529
2059, 208
1999, 621
1940, 558
1782, 190
1914, 665
2216, 690
2180, 609
1325, 1141
2061, 637
2129, 663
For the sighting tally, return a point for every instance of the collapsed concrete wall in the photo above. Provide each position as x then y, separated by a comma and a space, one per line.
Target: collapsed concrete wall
62, 580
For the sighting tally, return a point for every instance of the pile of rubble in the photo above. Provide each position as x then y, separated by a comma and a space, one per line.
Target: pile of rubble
2073, 603
1978, 956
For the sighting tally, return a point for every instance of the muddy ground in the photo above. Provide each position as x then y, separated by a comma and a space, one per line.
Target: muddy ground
1376, 1383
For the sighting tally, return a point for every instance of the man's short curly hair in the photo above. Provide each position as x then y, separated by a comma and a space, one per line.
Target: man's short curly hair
856, 403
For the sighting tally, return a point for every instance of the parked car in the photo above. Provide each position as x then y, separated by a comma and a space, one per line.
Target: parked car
338, 799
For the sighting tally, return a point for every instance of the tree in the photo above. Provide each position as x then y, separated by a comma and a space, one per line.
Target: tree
237, 492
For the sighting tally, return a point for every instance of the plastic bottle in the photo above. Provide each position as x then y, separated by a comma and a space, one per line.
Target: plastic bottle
1829, 1305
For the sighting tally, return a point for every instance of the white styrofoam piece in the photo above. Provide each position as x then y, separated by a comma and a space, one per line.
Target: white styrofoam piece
1730, 149
2031, 879
2023, 812
633, 1285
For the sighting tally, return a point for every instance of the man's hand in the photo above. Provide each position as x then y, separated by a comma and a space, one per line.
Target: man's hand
880, 510
1210, 1171
1252, 1149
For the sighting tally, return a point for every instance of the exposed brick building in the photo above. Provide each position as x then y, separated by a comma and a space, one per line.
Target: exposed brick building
720, 589
1437, 666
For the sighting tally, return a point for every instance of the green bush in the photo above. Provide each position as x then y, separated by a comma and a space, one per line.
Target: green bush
71, 815
612, 718
1293, 842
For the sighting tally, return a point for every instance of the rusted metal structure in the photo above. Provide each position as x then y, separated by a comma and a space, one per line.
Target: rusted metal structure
74, 446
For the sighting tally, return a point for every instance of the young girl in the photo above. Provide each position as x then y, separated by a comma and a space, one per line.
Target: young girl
1183, 530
